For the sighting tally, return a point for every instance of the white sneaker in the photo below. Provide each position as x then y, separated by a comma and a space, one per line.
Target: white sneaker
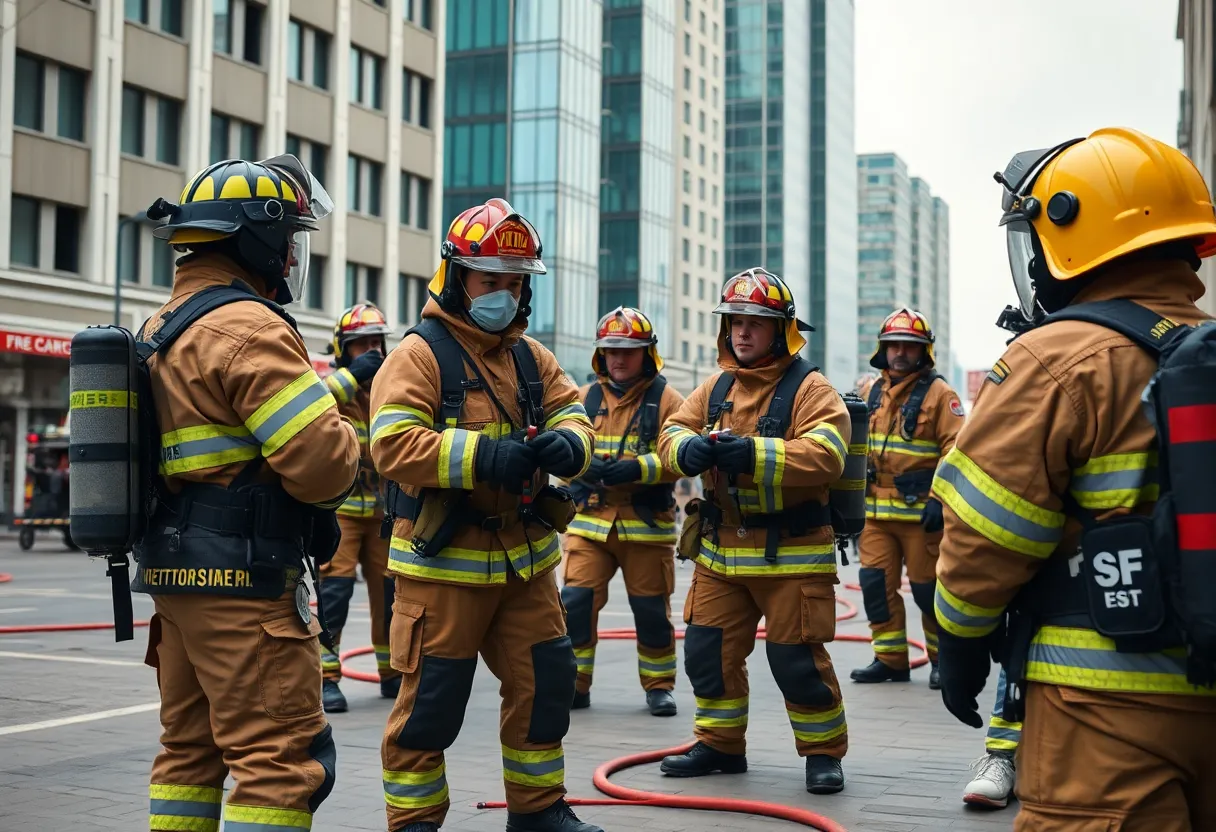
993, 782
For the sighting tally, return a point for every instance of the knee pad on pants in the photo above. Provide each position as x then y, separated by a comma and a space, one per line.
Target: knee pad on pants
335, 599
553, 669
444, 686
650, 619
323, 750
874, 594
793, 667
578, 601
922, 594
703, 661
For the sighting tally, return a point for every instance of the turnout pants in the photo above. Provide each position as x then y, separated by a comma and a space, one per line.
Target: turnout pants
1092, 761
437, 632
886, 547
240, 688
800, 616
650, 575
1003, 737
361, 545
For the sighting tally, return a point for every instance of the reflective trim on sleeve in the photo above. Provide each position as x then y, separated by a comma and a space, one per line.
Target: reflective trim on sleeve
652, 470
457, 450
1116, 481
571, 412
769, 469
994, 511
961, 618
679, 435
827, 436
289, 411
1002, 735
397, 418
205, 446
342, 384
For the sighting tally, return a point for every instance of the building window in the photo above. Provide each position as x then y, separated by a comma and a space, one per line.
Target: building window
162, 264
372, 287
238, 25
703, 22
700, 255
366, 78
701, 153
171, 17
686, 211
701, 322
687, 182
687, 147
713, 258
128, 251
684, 351
71, 104
715, 195
700, 353
688, 44
133, 107
714, 167
687, 113
687, 78
701, 122
701, 87
425, 16
364, 180
307, 55
314, 291
295, 51
362, 283
701, 188
423, 96
407, 95
24, 229
702, 50
424, 101
136, 10
232, 138
688, 11
684, 283
253, 32
412, 296
168, 131
685, 247
684, 317
222, 23
312, 154
714, 224
30, 92
140, 109
701, 221
700, 288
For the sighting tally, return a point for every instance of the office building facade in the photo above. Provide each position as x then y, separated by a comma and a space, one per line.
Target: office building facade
522, 119
106, 106
1197, 106
791, 196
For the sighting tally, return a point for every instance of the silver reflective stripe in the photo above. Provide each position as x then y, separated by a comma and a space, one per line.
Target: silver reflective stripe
210, 445
661, 667
453, 564
993, 511
721, 713
816, 727
383, 420
347, 383
528, 560
460, 439
239, 826
833, 438
186, 809
1107, 660
1114, 480
1008, 734
422, 790
534, 769
770, 460
290, 409
954, 616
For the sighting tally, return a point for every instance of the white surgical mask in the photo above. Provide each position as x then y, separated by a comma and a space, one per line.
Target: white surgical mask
495, 311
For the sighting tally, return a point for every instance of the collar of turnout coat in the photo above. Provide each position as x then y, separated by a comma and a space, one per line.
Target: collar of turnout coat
201, 271
1156, 282
475, 340
762, 376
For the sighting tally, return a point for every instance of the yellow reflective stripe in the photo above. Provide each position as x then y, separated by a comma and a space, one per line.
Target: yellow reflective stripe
894, 443
748, 560
457, 451
205, 446
466, 566
895, 641
962, 618
584, 442
497, 430
769, 469
289, 411
584, 659
1086, 659
392, 419
342, 384
182, 823
721, 713
184, 808
651, 469
1002, 735
827, 436
882, 508
85, 399
679, 435
194, 794
637, 530
572, 412
1116, 481
237, 816
415, 789
538, 769
818, 727
530, 559
657, 667
994, 511
590, 527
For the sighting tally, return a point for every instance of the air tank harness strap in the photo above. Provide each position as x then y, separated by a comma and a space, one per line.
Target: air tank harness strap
793, 522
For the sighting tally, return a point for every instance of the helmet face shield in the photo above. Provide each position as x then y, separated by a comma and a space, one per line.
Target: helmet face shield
1019, 240
315, 202
296, 279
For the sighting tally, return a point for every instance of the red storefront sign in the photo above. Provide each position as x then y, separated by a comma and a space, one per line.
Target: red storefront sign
33, 343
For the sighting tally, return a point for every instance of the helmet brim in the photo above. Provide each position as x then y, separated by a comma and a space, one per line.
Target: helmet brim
747, 309
914, 339
615, 342
502, 265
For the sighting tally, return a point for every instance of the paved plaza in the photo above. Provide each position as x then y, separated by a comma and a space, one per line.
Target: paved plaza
906, 767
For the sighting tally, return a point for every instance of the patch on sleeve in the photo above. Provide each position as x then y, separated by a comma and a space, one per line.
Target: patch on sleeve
999, 372
956, 407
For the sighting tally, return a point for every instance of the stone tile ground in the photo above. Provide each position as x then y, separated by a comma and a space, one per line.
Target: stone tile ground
906, 766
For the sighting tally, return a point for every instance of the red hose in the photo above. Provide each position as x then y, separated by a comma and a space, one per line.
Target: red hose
62, 628
5, 577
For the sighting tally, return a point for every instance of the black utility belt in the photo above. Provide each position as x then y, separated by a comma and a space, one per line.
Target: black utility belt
238, 581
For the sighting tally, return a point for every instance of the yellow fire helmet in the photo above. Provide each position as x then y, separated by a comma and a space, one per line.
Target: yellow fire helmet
904, 324
626, 328
757, 291
1081, 204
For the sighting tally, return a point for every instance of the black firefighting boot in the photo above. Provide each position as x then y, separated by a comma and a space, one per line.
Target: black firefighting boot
700, 760
876, 671
824, 774
557, 818
420, 826
581, 700
661, 703
332, 699
935, 679
390, 687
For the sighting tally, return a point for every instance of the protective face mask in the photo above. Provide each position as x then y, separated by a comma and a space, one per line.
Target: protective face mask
495, 311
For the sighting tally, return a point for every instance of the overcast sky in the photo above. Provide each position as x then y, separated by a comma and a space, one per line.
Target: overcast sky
956, 87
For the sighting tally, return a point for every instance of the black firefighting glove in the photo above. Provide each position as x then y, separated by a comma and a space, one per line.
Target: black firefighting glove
963, 664
365, 367
595, 471
324, 534
931, 519
735, 454
623, 471
556, 453
504, 463
696, 456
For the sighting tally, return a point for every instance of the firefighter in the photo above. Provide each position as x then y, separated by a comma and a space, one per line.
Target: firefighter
628, 519
769, 434
359, 345
1116, 735
995, 772
914, 418
253, 452
470, 418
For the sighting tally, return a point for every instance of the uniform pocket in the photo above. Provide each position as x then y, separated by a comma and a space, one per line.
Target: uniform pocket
289, 667
818, 613
152, 656
406, 635
692, 591
1035, 817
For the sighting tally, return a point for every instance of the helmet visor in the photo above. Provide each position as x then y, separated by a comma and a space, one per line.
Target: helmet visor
1019, 240
617, 342
319, 202
299, 257
731, 308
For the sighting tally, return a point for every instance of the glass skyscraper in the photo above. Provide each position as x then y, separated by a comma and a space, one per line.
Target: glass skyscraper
637, 132
523, 120
791, 196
